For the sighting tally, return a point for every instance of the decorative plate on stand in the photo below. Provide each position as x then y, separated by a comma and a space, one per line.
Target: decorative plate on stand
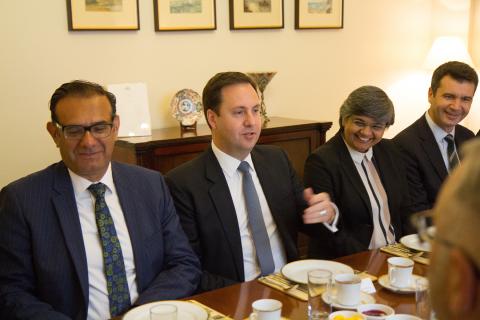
187, 107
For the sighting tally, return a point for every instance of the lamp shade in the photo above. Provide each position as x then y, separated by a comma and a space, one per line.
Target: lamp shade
446, 49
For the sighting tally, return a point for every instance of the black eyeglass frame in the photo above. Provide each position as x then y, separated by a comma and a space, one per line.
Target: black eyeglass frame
84, 129
422, 221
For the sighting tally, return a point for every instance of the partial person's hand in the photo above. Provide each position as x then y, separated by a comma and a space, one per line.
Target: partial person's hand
320, 208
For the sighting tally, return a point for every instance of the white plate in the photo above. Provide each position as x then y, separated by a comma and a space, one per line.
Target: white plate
384, 281
185, 311
364, 299
297, 271
411, 241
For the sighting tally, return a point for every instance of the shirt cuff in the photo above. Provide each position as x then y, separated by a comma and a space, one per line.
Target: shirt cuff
333, 226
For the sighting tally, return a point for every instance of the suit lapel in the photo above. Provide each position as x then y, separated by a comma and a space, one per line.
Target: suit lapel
431, 148
222, 200
66, 210
127, 198
350, 171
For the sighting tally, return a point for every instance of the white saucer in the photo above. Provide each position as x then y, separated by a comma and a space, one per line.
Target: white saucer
364, 299
384, 281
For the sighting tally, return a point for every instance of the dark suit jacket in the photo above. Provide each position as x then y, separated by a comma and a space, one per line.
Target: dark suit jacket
331, 169
478, 133
425, 166
43, 268
207, 213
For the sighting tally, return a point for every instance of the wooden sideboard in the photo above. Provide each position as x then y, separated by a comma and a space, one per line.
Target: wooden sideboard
169, 147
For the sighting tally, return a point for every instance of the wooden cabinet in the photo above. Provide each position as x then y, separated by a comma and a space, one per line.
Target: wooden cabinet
169, 147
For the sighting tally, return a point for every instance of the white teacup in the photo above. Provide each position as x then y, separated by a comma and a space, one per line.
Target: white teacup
400, 272
266, 309
348, 289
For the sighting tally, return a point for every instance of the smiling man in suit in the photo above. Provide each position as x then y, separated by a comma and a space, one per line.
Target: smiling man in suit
87, 237
241, 204
429, 146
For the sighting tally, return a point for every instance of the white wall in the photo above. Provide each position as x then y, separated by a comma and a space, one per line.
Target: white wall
383, 43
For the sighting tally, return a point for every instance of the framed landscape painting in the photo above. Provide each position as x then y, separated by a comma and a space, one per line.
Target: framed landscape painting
103, 15
318, 14
256, 14
178, 15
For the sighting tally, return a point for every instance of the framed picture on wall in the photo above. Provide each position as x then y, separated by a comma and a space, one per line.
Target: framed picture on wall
318, 14
178, 15
256, 14
103, 15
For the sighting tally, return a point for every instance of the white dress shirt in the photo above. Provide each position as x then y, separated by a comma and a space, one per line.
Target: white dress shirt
439, 135
98, 304
234, 179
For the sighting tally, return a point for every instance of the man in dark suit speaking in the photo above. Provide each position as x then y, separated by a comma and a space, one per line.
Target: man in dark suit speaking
429, 146
87, 237
241, 204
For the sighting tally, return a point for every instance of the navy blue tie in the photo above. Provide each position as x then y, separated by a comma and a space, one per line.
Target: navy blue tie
255, 220
114, 268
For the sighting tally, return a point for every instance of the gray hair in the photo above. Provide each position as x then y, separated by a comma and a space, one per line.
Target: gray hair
369, 101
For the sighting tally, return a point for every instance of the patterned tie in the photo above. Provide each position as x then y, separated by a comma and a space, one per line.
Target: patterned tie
451, 152
255, 220
117, 287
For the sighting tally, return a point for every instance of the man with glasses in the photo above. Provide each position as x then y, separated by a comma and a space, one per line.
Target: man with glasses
87, 238
455, 264
429, 146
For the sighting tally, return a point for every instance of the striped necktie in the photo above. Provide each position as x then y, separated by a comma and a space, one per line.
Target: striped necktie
383, 228
256, 222
114, 268
451, 152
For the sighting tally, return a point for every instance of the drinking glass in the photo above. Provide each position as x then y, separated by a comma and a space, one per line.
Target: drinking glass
319, 283
422, 298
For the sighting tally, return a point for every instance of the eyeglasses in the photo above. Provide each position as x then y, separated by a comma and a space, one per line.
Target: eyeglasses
377, 127
97, 130
423, 223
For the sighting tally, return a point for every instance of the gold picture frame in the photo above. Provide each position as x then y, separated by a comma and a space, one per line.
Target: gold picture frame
180, 15
103, 15
318, 14
256, 14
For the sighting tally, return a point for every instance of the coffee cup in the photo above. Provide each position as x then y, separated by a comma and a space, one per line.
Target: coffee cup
163, 311
400, 272
266, 309
348, 289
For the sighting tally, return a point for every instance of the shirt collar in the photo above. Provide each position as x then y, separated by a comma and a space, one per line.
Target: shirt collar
80, 184
357, 156
438, 132
228, 163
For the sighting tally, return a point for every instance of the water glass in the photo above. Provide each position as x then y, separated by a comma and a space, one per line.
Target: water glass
319, 283
422, 298
163, 312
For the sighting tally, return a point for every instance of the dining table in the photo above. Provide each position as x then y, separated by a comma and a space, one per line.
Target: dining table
236, 301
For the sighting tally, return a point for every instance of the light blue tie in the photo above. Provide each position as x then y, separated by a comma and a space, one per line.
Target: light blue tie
257, 225
114, 268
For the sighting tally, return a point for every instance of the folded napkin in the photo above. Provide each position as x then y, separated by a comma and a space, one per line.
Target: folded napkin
398, 249
212, 314
279, 282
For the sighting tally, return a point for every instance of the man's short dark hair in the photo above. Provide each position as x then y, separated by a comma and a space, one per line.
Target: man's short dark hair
457, 70
212, 93
80, 88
